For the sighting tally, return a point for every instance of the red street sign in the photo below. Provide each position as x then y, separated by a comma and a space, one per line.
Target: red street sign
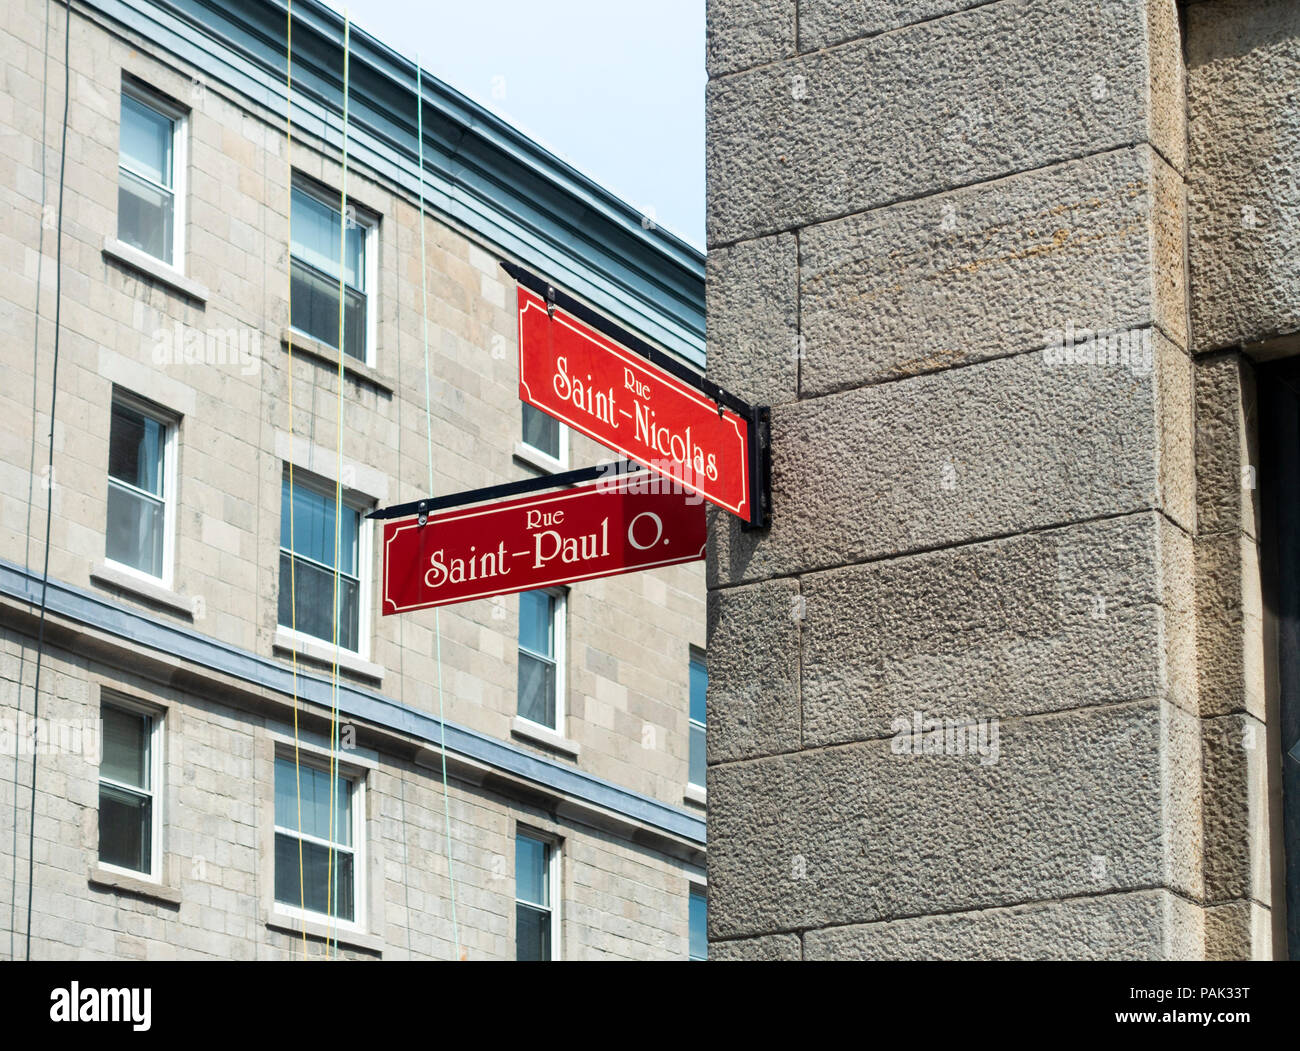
617, 526
614, 395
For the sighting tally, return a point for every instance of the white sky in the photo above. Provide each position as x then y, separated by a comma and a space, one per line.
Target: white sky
615, 89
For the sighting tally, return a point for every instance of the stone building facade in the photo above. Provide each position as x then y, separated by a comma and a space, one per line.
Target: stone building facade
1013, 673
172, 438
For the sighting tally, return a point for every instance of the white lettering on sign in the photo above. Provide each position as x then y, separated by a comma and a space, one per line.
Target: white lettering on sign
631, 530
636, 386
572, 548
457, 570
593, 402
549, 545
678, 447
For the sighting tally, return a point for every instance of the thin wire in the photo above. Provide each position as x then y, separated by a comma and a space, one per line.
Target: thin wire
338, 497
31, 463
293, 560
428, 432
49, 502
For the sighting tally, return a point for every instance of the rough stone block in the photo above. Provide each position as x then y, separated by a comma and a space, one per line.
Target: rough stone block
950, 102
1239, 930
1229, 625
1243, 198
744, 33
1029, 624
997, 448
813, 839
752, 294
988, 271
771, 948
753, 700
823, 23
1143, 925
1227, 445
1236, 804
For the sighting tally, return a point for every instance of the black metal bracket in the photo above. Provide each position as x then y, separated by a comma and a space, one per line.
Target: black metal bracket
760, 469
422, 508
758, 417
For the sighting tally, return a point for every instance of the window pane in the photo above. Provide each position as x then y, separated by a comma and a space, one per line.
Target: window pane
136, 444
134, 533
532, 933
145, 216
532, 875
536, 610
315, 787
313, 526
699, 687
316, 241
541, 431
314, 589
699, 923
697, 765
125, 747
315, 305
146, 143
316, 889
125, 829
537, 690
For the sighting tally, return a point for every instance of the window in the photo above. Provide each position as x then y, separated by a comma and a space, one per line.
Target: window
307, 544
314, 273
699, 688
138, 533
318, 891
542, 432
541, 658
129, 818
535, 861
699, 923
150, 168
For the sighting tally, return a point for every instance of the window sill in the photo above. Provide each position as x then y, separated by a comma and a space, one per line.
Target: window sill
109, 576
323, 653
318, 351
141, 888
154, 269
279, 921
696, 794
538, 460
531, 731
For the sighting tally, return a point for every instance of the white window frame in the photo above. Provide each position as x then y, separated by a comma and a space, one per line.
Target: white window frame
365, 531
355, 779
368, 223
179, 117
540, 458
559, 643
691, 722
554, 849
700, 890
156, 719
171, 426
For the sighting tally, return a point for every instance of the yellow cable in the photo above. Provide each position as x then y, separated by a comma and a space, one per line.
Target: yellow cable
338, 495
293, 581
428, 434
